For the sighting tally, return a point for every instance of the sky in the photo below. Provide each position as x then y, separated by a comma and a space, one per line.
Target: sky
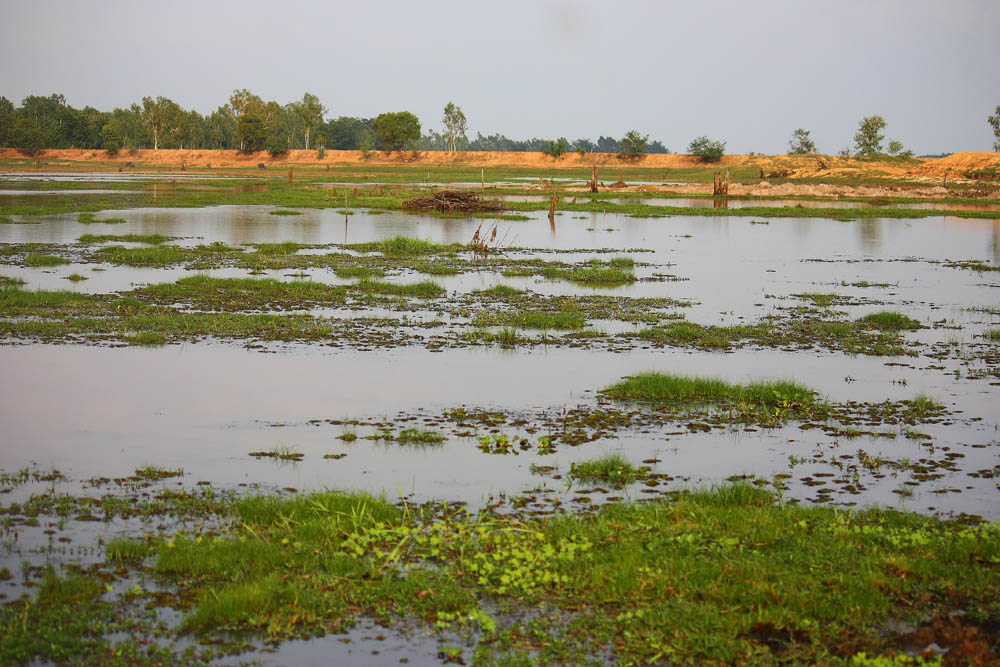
743, 71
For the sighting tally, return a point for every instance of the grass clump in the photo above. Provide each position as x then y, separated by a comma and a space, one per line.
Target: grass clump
283, 248
152, 239
422, 290
888, 320
503, 291
404, 245
9, 281
505, 337
922, 406
89, 219
76, 278
146, 339
284, 211
37, 259
820, 300
617, 271
612, 469
346, 272
660, 387
992, 335
416, 436
532, 319
436, 269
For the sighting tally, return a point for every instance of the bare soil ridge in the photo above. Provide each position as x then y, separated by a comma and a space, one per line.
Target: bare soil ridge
955, 166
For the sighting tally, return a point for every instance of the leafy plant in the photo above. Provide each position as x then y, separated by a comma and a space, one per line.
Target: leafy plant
706, 149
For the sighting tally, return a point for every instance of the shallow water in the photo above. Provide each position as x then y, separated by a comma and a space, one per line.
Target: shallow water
204, 406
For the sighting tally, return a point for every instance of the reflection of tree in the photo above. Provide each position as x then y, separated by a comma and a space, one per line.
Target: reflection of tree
996, 241
870, 230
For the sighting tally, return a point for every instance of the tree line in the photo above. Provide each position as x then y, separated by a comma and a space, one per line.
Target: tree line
249, 123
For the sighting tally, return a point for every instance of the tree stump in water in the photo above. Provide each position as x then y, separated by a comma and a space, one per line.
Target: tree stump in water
720, 187
593, 179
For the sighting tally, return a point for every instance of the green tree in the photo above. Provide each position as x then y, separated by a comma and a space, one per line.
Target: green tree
6, 120
706, 149
251, 131
869, 138
994, 122
454, 124
397, 129
27, 135
308, 112
800, 143
111, 138
633, 144
161, 117
557, 147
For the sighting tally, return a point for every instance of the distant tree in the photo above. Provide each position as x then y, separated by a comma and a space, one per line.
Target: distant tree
27, 135
397, 129
454, 124
800, 143
111, 138
309, 113
586, 144
658, 147
366, 141
868, 140
895, 147
706, 149
607, 145
994, 122
252, 132
633, 145
344, 133
557, 147
6, 120
160, 116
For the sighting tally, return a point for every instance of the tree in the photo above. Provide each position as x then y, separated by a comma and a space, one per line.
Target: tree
27, 135
607, 145
587, 145
868, 140
800, 143
454, 124
557, 147
397, 129
251, 132
160, 116
309, 113
658, 147
6, 120
994, 122
706, 149
633, 145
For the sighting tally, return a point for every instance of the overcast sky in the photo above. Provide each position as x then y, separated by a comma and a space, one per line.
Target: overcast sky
745, 72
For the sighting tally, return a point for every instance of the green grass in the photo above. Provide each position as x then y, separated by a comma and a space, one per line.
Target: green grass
715, 576
653, 386
612, 469
404, 245
503, 291
922, 406
436, 269
10, 281
505, 337
36, 259
76, 277
416, 436
618, 271
992, 335
88, 219
152, 239
889, 321
821, 300
422, 290
358, 272
146, 339
531, 319
283, 248
284, 211
243, 293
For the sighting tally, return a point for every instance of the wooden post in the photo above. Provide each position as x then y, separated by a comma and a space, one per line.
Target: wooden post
552, 208
482, 179
593, 178
290, 174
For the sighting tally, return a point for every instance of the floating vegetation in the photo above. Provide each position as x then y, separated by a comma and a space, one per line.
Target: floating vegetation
889, 321
157, 473
88, 219
281, 454
75, 277
284, 211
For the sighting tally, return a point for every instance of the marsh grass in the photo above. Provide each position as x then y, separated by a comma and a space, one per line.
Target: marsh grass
820, 300
531, 319
888, 320
505, 336
419, 437
76, 278
283, 248
624, 578
659, 387
10, 281
358, 272
152, 239
612, 469
922, 406
405, 245
284, 211
503, 291
146, 339
436, 269
617, 271
89, 219
37, 259
422, 290
992, 335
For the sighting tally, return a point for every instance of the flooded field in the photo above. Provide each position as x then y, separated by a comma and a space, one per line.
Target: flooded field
251, 348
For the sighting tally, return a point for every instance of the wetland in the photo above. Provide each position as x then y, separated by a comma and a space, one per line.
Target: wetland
248, 419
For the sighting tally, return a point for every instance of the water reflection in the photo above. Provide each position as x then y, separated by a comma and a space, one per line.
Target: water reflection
870, 233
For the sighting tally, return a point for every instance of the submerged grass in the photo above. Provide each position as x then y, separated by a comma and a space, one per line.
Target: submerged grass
152, 239
653, 386
405, 245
